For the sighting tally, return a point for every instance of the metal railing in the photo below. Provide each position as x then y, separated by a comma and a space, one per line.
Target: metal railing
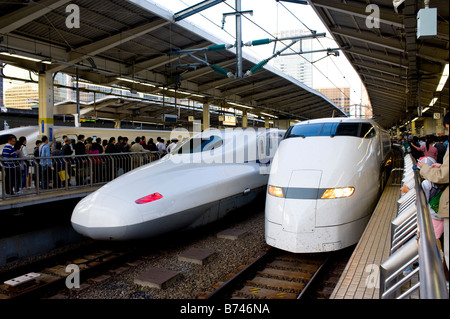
413, 242
35, 175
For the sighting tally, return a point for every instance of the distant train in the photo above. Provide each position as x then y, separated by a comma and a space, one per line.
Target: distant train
199, 182
324, 183
32, 134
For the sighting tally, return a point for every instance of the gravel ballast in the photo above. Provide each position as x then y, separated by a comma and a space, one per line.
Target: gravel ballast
195, 279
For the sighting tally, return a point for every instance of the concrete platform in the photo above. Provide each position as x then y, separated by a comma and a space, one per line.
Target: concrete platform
157, 277
359, 279
46, 197
231, 233
198, 256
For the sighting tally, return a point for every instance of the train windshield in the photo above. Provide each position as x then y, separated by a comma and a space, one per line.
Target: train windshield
195, 144
363, 130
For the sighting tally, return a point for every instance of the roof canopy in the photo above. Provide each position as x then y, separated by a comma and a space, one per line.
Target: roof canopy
128, 42
399, 71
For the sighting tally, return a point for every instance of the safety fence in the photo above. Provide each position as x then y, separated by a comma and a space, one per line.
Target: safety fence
414, 264
34, 175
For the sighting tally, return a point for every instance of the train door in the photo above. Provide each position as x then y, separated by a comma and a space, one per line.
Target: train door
267, 147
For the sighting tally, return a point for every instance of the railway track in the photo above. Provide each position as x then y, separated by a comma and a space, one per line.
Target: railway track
276, 274
88, 262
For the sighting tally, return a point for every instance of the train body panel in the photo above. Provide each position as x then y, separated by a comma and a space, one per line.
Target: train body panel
307, 168
193, 189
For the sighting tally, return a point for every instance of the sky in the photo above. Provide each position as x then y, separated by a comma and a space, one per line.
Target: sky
271, 17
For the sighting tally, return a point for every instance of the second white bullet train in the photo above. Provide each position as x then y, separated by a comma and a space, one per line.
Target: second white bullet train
324, 183
197, 183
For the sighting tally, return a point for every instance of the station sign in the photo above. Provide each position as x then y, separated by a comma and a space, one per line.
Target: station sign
229, 120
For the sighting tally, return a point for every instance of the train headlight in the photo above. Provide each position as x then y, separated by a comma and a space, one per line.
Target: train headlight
338, 192
148, 198
275, 191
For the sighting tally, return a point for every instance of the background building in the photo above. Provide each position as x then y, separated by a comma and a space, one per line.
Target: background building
21, 96
299, 67
339, 96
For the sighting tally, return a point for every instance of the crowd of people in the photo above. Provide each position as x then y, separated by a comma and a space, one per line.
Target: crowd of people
432, 158
21, 173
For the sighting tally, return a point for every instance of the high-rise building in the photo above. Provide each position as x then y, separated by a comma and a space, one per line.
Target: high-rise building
21, 96
339, 96
297, 66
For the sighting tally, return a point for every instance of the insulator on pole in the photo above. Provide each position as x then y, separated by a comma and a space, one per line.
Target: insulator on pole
220, 47
222, 71
258, 42
254, 69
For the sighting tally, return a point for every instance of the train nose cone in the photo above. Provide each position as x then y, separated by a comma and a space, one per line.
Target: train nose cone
105, 217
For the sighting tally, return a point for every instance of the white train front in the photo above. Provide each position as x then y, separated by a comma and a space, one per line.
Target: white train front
198, 183
324, 183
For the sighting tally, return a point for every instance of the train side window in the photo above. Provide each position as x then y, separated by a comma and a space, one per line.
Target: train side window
367, 130
347, 129
328, 129
195, 145
304, 130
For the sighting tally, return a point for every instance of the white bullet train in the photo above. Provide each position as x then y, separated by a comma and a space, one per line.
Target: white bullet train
197, 183
324, 183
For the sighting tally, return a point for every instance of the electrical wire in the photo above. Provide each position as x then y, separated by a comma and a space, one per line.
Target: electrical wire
343, 76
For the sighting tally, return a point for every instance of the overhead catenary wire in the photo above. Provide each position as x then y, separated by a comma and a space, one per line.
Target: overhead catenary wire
343, 76
312, 31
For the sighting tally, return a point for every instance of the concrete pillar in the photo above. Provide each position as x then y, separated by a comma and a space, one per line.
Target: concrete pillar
206, 116
46, 105
244, 119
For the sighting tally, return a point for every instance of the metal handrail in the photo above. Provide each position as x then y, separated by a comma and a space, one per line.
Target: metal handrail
422, 247
84, 169
432, 272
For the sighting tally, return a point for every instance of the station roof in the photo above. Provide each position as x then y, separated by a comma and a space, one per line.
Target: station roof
396, 68
126, 42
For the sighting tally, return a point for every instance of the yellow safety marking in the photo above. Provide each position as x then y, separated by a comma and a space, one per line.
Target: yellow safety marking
254, 290
47, 120
281, 294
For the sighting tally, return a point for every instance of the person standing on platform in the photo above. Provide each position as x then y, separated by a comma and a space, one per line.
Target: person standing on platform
439, 174
428, 149
10, 166
441, 149
46, 163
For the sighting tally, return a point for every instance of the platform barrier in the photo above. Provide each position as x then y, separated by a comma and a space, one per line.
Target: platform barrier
414, 261
37, 175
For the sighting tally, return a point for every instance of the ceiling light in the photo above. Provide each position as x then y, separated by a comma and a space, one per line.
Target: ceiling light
433, 101
21, 57
443, 79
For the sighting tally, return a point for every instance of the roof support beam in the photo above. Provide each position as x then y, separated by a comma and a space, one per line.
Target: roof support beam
183, 14
32, 11
249, 87
259, 96
103, 45
387, 16
380, 57
371, 38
